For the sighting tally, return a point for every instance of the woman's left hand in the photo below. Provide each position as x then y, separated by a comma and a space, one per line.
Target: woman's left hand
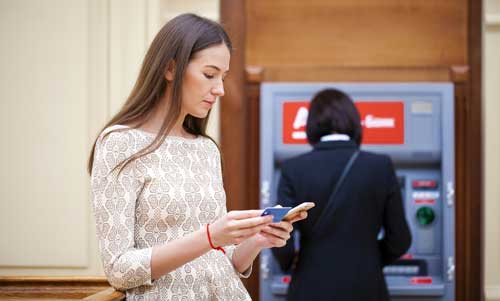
276, 235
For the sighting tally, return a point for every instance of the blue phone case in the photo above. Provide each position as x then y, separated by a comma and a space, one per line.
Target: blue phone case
278, 213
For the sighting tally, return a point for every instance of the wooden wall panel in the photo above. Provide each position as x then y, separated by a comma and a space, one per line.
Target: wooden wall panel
56, 288
235, 126
234, 111
386, 40
470, 281
356, 33
332, 74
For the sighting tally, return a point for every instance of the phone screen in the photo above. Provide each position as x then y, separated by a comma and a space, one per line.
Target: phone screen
278, 213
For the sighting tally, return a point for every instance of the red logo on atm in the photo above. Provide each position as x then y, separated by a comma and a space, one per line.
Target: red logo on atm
294, 122
382, 122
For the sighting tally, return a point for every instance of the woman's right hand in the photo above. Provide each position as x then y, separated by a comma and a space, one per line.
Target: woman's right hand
237, 226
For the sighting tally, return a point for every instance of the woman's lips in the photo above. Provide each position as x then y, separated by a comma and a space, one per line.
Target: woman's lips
209, 102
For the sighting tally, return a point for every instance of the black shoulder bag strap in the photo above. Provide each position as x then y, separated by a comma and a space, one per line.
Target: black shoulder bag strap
328, 211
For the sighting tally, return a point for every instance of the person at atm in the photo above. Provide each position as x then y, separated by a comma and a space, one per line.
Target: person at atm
356, 194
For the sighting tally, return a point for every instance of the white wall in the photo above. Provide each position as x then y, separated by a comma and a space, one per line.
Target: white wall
67, 66
44, 127
491, 138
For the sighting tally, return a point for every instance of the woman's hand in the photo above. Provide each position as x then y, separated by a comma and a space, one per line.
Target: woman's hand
237, 226
276, 235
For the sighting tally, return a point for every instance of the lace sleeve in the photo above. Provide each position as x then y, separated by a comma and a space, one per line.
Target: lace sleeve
114, 198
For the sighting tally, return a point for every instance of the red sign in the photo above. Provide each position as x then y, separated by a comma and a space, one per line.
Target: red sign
382, 122
294, 122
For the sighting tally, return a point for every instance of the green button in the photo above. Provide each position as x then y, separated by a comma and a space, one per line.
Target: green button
425, 215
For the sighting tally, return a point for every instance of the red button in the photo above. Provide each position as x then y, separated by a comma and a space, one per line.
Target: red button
421, 280
286, 279
407, 256
424, 184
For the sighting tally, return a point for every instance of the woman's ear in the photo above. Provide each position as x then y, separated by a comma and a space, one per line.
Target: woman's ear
169, 75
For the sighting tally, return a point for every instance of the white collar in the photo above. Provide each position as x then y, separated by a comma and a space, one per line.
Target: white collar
335, 137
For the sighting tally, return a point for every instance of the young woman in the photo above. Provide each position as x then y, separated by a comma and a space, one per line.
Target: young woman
156, 179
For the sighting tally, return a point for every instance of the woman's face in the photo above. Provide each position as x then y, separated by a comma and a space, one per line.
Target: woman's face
203, 80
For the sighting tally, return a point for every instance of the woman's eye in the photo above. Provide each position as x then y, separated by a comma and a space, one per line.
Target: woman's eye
209, 76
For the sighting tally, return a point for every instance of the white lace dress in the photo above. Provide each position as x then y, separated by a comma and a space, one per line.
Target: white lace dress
158, 198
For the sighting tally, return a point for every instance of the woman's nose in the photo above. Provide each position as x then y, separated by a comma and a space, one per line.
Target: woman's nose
219, 90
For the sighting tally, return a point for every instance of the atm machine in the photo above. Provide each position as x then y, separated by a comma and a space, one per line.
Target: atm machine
413, 123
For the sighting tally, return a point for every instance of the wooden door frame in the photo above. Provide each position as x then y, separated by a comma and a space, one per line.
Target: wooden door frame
239, 141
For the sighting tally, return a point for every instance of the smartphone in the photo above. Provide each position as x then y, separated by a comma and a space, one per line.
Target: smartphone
278, 213
295, 210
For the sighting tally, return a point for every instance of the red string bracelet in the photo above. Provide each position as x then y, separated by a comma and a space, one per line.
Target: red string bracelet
211, 244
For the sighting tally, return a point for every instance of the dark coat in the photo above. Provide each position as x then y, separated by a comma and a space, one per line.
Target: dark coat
345, 260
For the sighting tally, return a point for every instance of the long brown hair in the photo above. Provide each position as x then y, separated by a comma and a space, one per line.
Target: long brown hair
177, 41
